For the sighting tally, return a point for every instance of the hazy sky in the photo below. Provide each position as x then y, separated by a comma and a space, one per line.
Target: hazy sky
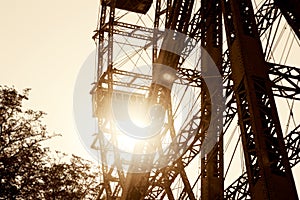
43, 44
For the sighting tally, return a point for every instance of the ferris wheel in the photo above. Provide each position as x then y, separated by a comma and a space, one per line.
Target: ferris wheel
197, 99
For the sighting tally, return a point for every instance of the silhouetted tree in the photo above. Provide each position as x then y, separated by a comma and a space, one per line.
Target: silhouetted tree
27, 169
76, 179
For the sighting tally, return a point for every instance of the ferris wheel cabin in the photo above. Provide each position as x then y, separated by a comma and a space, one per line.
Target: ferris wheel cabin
136, 6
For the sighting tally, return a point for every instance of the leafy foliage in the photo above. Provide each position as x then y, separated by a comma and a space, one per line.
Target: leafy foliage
27, 169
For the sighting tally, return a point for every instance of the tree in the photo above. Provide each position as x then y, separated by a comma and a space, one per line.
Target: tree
76, 179
27, 169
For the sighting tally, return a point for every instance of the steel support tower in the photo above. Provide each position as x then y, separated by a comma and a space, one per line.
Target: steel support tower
241, 38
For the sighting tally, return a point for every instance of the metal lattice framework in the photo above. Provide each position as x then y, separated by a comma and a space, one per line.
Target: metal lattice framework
250, 82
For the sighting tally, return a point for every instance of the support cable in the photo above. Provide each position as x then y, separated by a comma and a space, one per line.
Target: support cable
230, 138
275, 33
279, 39
284, 49
291, 114
288, 53
237, 143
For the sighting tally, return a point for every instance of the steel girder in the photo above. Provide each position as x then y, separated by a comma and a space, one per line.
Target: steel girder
268, 169
265, 16
239, 189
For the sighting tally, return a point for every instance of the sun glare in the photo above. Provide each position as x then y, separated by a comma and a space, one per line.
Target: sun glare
139, 115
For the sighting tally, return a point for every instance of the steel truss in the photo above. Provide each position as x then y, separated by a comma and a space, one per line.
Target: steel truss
239, 189
266, 80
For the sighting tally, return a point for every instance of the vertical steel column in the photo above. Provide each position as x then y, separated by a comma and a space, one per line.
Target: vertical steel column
101, 51
100, 40
268, 168
211, 40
